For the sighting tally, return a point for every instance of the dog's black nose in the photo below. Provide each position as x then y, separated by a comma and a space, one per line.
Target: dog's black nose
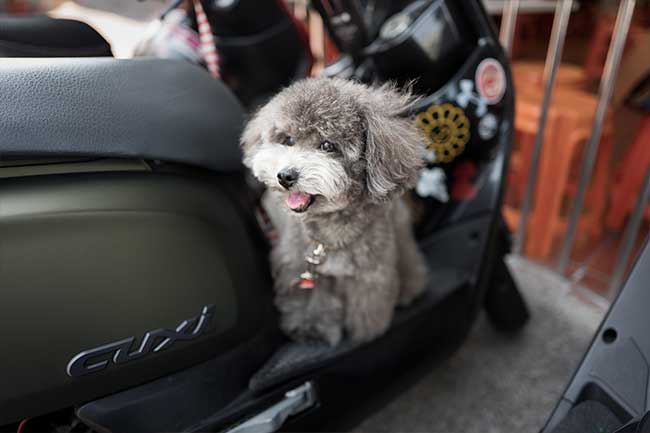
288, 177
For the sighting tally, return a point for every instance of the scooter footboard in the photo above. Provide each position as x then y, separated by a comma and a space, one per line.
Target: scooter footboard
113, 275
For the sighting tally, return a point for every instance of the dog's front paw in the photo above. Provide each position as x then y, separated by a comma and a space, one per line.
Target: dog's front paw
312, 330
362, 329
413, 281
412, 287
310, 316
365, 324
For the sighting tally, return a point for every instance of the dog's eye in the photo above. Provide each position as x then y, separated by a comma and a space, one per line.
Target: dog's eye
287, 140
327, 146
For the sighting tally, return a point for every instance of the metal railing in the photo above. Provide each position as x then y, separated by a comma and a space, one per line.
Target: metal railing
553, 57
554, 54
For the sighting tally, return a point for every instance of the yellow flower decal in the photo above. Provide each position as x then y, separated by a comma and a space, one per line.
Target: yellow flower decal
447, 128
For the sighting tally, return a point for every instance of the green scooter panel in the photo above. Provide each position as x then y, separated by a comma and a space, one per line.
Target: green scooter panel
109, 280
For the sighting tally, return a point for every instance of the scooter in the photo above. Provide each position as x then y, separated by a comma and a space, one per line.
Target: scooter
136, 294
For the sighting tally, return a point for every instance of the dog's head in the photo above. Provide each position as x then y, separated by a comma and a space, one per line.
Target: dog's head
331, 143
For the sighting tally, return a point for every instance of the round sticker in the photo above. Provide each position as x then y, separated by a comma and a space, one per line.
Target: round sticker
491, 80
447, 128
487, 126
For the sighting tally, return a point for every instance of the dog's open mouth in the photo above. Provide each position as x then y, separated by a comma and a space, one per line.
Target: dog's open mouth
299, 201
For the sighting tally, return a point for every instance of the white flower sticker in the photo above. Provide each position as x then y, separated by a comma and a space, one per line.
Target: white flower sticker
432, 184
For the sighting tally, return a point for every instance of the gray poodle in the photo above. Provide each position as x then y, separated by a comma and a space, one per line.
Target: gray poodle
336, 157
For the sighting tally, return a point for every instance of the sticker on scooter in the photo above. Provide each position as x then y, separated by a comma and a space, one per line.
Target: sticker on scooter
487, 126
433, 183
467, 95
447, 128
463, 185
490, 80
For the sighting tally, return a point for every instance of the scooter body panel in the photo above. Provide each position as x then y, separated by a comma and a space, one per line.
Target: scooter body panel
114, 279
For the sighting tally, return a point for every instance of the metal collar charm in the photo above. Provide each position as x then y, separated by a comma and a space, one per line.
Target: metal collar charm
315, 258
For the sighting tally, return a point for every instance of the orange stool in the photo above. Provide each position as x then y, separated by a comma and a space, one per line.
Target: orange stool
568, 127
629, 176
527, 73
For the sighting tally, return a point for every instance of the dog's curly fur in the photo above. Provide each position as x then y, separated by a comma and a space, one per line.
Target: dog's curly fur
373, 263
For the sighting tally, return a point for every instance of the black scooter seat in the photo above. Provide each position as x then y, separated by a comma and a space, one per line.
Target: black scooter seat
100, 107
42, 36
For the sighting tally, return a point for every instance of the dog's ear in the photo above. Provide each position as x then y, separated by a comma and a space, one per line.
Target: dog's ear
252, 134
394, 144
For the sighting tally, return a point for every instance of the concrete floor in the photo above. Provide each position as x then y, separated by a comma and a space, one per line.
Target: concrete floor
496, 383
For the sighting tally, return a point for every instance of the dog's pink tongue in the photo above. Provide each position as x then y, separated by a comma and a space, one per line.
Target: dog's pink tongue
296, 200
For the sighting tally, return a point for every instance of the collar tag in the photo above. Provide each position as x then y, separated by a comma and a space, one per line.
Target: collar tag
307, 281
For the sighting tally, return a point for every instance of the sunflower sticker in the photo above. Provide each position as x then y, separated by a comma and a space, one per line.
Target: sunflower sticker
447, 128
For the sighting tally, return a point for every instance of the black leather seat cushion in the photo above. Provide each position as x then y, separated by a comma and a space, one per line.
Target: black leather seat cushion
42, 36
147, 108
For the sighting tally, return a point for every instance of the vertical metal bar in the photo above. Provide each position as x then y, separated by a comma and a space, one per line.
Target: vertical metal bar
508, 24
553, 57
317, 42
623, 19
300, 11
631, 232
323, 44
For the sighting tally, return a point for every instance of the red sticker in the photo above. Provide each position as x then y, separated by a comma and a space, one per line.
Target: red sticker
491, 80
463, 187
